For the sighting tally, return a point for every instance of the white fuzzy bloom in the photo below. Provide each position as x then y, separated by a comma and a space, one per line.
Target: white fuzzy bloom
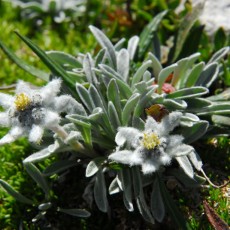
32, 110
154, 146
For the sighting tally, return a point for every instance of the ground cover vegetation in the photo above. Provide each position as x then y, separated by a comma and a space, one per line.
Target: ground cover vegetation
129, 125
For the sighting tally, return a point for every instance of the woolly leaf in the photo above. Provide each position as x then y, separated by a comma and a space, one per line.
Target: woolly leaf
188, 93
157, 204
132, 46
94, 166
208, 75
185, 165
59, 166
129, 107
148, 33
105, 43
75, 212
100, 192
35, 173
10, 190
64, 59
123, 64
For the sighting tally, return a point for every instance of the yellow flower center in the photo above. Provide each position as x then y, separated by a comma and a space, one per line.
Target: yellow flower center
22, 101
150, 140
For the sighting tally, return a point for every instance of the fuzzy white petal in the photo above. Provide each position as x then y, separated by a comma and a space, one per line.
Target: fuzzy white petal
125, 157
23, 87
149, 167
50, 91
174, 140
36, 134
165, 159
51, 119
69, 105
6, 101
12, 135
4, 119
168, 123
128, 135
152, 125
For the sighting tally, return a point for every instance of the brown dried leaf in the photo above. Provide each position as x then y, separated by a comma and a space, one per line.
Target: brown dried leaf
213, 218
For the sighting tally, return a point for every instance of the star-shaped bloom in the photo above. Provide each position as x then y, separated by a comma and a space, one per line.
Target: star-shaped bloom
154, 146
32, 110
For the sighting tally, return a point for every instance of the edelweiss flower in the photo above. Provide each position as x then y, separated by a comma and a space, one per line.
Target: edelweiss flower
32, 110
154, 146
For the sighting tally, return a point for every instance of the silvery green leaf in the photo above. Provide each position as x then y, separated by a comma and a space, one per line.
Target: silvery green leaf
145, 101
96, 97
75, 212
123, 64
39, 216
219, 54
156, 65
85, 97
140, 72
113, 95
59, 166
129, 107
113, 116
100, 57
164, 73
132, 46
110, 72
35, 173
88, 66
105, 43
94, 166
171, 206
185, 93
185, 165
180, 74
147, 34
96, 114
193, 133
216, 108
138, 123
208, 75
79, 120
194, 74
195, 159
143, 208
10, 190
147, 77
221, 120
100, 192
44, 206
175, 104
137, 182
25, 66
119, 45
223, 96
125, 177
185, 26
141, 87
197, 103
64, 59
38, 156
114, 187
188, 119
157, 204
186, 180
